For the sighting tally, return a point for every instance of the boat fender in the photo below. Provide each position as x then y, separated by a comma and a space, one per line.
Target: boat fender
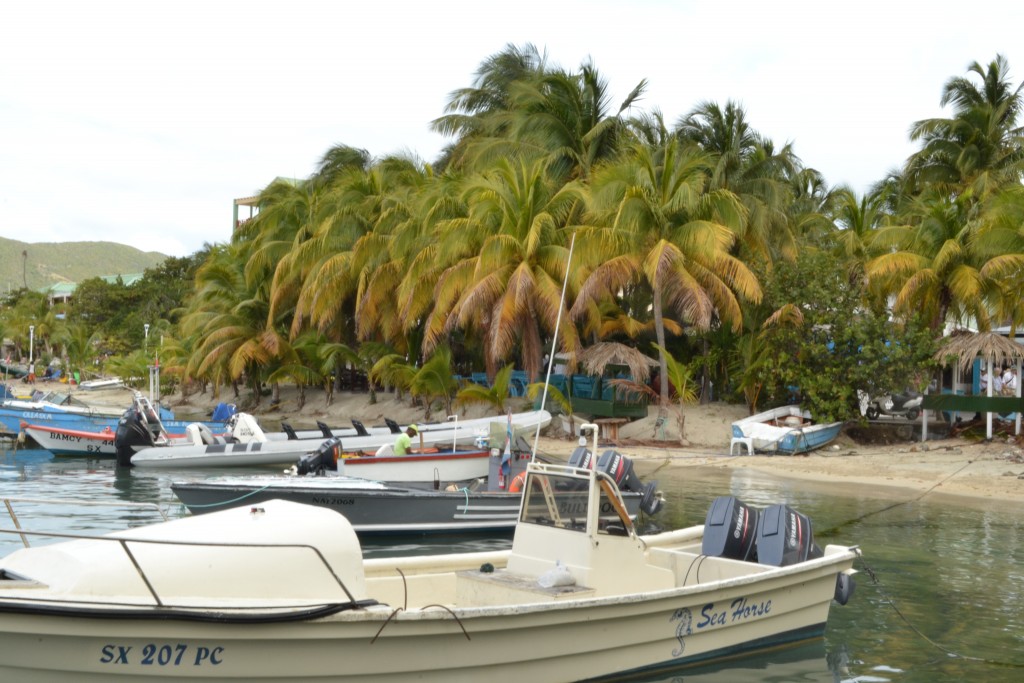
517, 483
845, 585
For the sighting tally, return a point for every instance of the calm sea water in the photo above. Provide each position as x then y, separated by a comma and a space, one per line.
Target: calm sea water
947, 602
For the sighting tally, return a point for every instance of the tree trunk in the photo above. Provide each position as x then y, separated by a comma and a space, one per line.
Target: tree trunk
659, 329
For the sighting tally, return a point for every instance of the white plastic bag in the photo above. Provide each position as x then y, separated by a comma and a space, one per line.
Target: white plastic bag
558, 576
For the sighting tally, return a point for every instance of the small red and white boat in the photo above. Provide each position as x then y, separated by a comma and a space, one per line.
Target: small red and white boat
77, 442
61, 441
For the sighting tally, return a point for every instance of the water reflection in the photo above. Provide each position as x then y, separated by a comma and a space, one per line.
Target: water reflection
949, 568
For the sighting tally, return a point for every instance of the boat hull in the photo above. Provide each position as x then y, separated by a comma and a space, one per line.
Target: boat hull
96, 421
769, 431
288, 452
371, 507
647, 633
70, 442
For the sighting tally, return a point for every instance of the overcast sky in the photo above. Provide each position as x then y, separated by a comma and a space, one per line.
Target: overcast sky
140, 121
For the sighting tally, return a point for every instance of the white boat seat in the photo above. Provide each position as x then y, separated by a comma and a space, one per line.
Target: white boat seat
741, 441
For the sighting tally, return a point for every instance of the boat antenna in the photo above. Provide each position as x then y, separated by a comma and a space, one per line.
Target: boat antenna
554, 342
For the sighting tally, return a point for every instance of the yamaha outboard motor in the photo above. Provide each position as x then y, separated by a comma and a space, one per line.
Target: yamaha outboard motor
582, 458
785, 537
620, 468
132, 432
730, 529
323, 459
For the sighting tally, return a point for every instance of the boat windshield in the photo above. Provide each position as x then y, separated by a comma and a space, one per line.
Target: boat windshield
563, 501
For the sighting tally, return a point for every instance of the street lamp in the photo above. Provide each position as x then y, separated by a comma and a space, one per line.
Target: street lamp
31, 344
145, 343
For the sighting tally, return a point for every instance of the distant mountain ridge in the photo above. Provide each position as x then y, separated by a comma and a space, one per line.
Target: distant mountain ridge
52, 262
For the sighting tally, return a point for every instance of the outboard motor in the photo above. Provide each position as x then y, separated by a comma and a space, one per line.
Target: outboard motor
582, 458
730, 529
132, 432
785, 537
620, 468
323, 459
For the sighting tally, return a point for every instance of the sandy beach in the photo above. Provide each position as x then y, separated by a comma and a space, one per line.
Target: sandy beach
955, 466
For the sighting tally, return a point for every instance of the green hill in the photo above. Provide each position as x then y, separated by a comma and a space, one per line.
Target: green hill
51, 262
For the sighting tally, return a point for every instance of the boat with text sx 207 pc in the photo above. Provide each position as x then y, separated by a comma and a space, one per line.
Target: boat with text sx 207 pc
281, 592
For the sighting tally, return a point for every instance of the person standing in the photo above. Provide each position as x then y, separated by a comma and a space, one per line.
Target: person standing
1010, 381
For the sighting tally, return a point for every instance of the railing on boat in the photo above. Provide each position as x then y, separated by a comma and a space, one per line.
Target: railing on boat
124, 542
9, 500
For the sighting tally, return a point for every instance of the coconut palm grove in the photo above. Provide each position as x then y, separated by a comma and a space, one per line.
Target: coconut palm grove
555, 213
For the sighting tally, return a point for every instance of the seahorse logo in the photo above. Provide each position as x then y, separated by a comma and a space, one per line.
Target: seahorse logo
685, 619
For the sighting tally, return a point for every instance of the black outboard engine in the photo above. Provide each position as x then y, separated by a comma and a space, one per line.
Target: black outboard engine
581, 458
730, 529
132, 432
620, 468
785, 537
323, 459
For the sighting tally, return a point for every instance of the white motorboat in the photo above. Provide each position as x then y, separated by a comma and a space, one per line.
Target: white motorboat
248, 444
280, 592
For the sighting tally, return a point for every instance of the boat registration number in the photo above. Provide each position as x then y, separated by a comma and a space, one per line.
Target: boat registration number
152, 654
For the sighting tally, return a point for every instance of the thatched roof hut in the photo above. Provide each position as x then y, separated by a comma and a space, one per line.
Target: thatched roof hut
967, 346
596, 358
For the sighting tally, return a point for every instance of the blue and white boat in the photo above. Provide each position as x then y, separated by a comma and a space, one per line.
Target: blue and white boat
787, 429
62, 410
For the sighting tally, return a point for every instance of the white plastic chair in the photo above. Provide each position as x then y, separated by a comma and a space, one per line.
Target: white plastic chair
741, 441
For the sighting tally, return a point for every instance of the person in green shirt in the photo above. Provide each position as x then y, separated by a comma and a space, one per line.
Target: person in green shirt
403, 444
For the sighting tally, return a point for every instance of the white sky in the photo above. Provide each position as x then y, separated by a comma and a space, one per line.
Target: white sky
140, 121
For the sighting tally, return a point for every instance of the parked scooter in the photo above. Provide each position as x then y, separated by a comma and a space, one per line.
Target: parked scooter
907, 404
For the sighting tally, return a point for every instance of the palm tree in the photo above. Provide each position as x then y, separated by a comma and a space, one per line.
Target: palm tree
495, 395
981, 147
508, 289
747, 164
655, 222
858, 221
474, 112
680, 378
435, 381
932, 266
521, 106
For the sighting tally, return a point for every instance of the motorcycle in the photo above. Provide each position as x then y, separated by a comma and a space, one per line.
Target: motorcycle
907, 404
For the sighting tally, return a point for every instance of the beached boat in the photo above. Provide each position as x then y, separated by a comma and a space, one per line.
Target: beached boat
281, 592
101, 383
786, 429
248, 444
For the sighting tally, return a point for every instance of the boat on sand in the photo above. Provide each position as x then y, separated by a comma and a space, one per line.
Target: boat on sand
787, 429
281, 592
